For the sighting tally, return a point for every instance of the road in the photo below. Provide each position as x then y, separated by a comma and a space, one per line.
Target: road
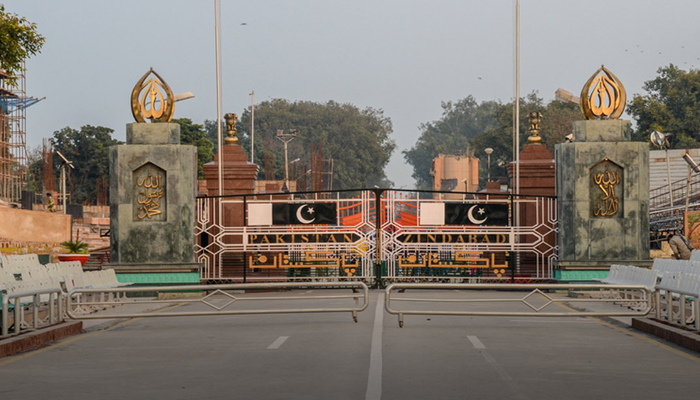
327, 356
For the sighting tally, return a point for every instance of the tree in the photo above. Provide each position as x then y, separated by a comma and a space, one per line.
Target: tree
19, 40
467, 126
451, 134
88, 149
358, 141
196, 135
671, 105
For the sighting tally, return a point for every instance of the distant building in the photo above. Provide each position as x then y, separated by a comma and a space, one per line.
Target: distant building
455, 173
658, 174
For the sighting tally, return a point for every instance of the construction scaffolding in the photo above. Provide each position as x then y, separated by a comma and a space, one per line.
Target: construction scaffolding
14, 161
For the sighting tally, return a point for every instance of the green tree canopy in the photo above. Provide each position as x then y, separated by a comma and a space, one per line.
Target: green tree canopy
88, 149
19, 40
671, 105
196, 135
358, 141
467, 126
460, 122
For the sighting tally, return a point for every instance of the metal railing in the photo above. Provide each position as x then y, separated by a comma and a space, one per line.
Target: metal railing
672, 306
534, 303
217, 298
16, 303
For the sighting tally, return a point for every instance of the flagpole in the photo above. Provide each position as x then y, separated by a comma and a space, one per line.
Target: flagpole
252, 127
517, 96
218, 100
516, 267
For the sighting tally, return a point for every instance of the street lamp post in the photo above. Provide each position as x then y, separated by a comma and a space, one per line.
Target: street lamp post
286, 138
488, 152
64, 163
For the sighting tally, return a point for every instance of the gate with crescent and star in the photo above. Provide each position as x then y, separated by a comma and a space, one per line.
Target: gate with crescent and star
423, 236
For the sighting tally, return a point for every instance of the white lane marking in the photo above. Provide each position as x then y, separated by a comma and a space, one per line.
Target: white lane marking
277, 343
307, 292
504, 376
374, 381
476, 342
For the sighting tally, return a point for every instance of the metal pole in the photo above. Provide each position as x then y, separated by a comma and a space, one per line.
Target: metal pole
668, 172
252, 127
245, 239
517, 97
687, 191
286, 167
63, 185
378, 238
218, 100
517, 125
488, 168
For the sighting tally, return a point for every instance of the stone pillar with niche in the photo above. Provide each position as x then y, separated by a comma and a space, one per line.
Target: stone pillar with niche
602, 180
152, 186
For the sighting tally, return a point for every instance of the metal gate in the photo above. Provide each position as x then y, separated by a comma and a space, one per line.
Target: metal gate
480, 238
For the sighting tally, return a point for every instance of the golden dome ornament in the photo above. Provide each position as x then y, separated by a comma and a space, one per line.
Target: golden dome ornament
152, 99
603, 96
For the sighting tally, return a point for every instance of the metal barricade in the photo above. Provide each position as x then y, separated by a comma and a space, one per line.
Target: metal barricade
225, 294
15, 304
533, 303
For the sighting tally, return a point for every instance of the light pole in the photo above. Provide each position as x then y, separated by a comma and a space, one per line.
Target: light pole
661, 140
286, 138
488, 152
64, 162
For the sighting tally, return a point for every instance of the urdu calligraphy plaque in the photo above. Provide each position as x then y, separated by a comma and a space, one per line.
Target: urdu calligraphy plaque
150, 202
606, 189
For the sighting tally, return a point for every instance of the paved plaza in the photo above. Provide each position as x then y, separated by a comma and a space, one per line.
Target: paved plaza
328, 356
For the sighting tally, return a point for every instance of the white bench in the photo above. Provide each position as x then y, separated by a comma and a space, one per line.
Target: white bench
678, 298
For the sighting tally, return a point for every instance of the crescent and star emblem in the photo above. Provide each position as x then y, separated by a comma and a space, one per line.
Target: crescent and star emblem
471, 217
301, 218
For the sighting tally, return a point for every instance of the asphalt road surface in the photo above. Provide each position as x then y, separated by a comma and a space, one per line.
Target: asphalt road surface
328, 356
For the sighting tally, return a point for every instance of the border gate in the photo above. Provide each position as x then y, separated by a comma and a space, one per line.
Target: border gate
424, 236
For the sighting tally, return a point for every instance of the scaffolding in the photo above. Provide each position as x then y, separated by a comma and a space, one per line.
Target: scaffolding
14, 161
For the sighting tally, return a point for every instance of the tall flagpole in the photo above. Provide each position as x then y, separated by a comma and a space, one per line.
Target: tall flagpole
517, 97
516, 267
218, 100
252, 127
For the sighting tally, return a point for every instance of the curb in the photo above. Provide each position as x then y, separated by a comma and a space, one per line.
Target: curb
39, 338
684, 338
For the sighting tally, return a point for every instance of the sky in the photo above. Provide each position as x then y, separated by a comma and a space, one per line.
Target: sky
404, 57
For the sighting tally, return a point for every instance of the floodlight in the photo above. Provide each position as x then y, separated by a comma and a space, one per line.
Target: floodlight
569, 138
65, 160
691, 162
183, 96
660, 139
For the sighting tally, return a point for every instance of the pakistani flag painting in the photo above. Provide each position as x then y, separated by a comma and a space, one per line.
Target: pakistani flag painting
464, 214
292, 214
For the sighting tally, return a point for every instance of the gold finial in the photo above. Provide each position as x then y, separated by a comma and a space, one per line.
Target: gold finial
603, 96
153, 105
535, 118
231, 129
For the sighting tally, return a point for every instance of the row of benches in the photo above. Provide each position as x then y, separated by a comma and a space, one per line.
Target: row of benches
27, 284
675, 284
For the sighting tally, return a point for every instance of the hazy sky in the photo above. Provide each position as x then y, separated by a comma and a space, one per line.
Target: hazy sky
402, 56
